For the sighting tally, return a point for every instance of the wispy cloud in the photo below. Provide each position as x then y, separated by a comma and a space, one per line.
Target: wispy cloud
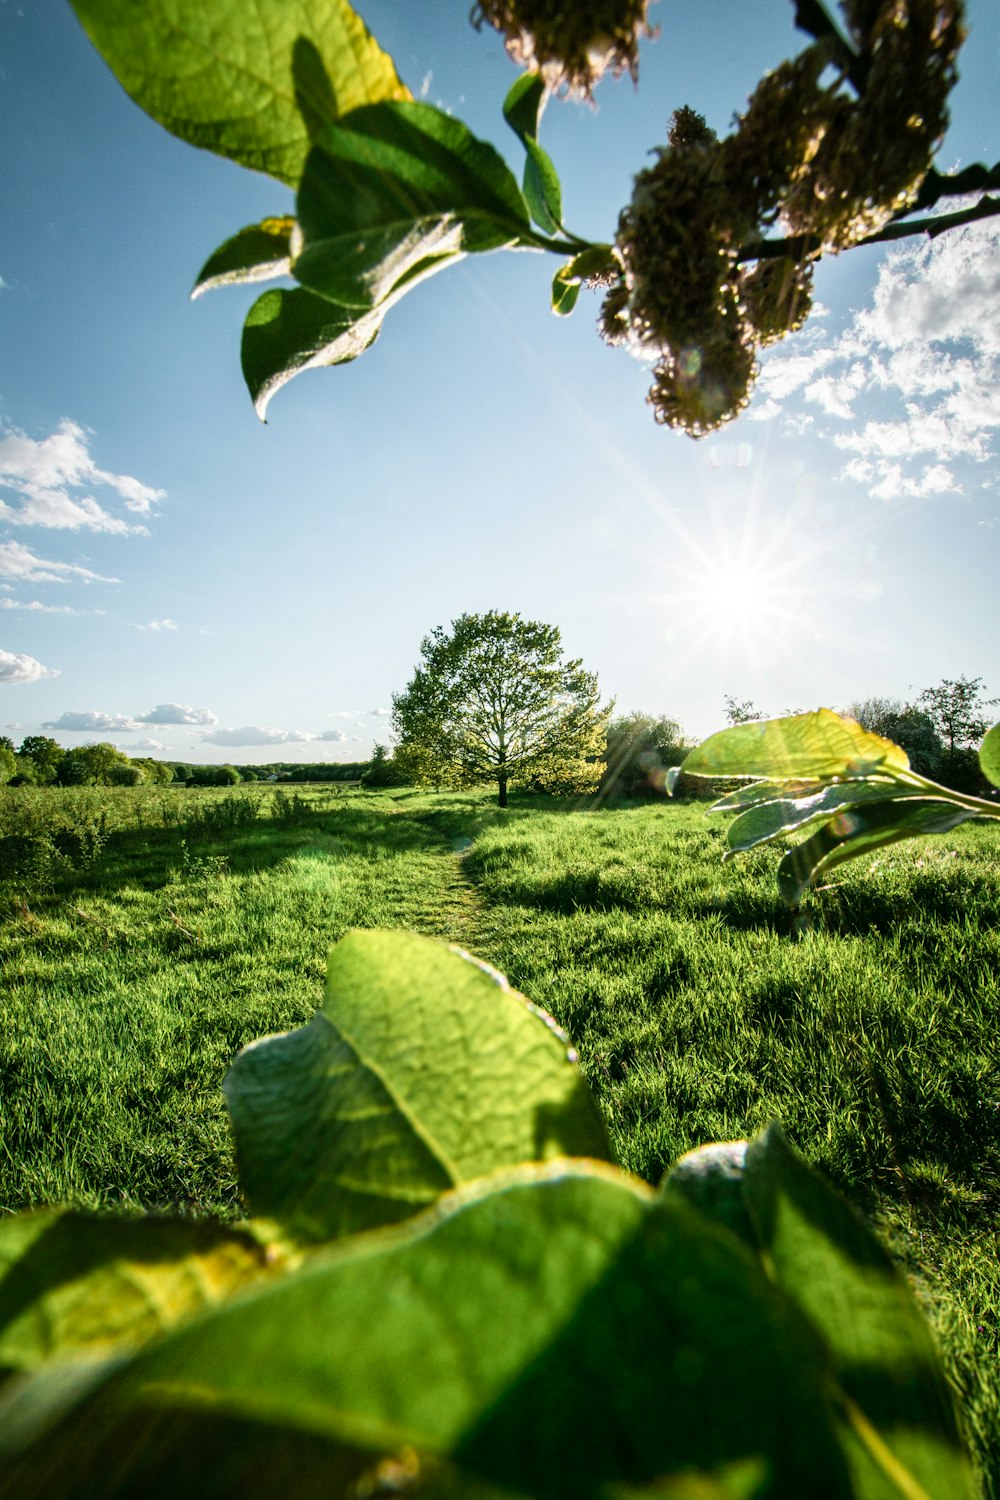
256, 734
380, 713
39, 476
159, 625
926, 358
36, 607
336, 735
15, 668
16, 561
89, 721
147, 744
177, 713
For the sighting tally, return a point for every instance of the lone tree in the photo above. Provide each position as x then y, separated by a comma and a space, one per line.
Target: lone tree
492, 700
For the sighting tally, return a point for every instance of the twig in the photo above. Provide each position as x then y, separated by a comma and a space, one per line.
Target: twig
812, 18
195, 937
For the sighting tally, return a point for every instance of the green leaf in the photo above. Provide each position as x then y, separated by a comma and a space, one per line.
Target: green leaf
817, 745
898, 1407
422, 1071
768, 820
989, 756
553, 1330
859, 831
396, 187
258, 253
565, 291
542, 188
72, 1283
218, 73
522, 108
287, 332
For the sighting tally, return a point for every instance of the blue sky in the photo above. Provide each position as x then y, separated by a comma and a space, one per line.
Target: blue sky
184, 580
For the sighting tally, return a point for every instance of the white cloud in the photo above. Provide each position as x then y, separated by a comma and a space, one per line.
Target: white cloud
87, 721
40, 475
16, 561
336, 735
380, 713
177, 713
37, 607
17, 668
159, 625
147, 745
926, 357
255, 734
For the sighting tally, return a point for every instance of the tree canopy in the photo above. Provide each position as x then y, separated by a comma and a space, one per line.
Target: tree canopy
493, 700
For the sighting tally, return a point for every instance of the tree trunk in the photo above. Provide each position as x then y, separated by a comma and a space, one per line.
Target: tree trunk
502, 784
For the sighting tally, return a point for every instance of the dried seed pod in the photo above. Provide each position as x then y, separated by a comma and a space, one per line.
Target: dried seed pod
776, 296
872, 159
700, 387
678, 238
572, 43
777, 137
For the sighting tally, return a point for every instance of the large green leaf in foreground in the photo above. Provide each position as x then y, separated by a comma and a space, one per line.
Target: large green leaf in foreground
73, 1283
898, 1423
219, 73
552, 1331
422, 1071
815, 745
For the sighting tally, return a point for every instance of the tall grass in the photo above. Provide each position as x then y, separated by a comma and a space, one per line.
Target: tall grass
159, 930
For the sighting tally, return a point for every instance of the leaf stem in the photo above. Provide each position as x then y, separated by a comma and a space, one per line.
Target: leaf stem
811, 16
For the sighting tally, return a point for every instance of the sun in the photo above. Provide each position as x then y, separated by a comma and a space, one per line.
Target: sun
732, 601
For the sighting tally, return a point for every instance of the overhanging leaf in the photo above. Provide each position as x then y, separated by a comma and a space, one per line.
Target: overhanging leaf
554, 1330
857, 831
288, 331
542, 188
817, 745
258, 253
522, 108
393, 187
73, 1283
565, 291
219, 75
989, 756
422, 1071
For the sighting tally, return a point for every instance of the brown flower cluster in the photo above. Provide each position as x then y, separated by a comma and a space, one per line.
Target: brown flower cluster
571, 43
828, 167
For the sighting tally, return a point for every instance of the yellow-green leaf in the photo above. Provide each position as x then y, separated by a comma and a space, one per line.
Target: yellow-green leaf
422, 1071
989, 755
820, 745
219, 73
73, 1283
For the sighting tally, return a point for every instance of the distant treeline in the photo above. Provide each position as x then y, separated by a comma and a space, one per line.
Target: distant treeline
42, 761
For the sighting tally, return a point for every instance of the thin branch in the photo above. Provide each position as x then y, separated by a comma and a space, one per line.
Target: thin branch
801, 246
937, 185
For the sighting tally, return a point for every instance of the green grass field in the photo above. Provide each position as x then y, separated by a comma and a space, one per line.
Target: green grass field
147, 935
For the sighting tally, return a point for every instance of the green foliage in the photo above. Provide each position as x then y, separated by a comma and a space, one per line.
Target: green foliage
543, 1328
493, 700
8, 764
808, 766
957, 709
640, 750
